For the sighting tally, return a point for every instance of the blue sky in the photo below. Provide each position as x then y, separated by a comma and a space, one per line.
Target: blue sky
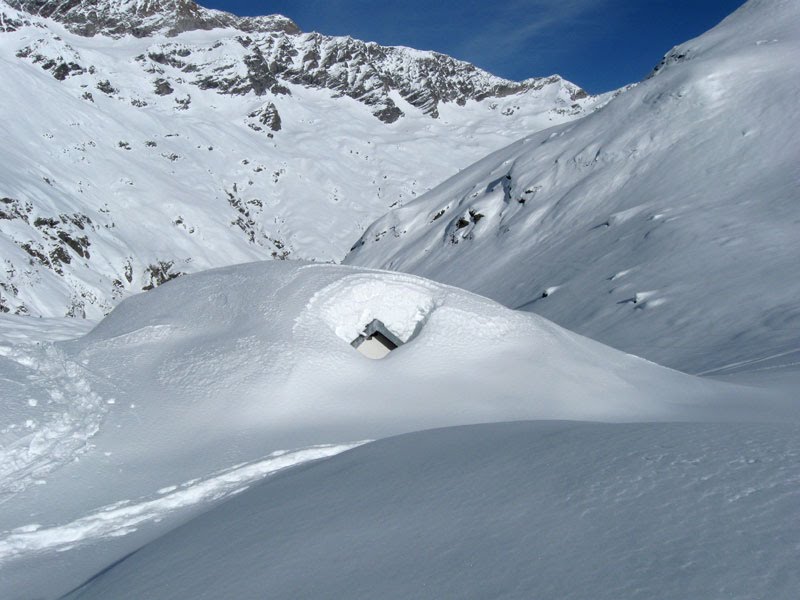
597, 44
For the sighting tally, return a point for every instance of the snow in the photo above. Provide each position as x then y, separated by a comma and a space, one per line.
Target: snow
224, 367
24, 330
513, 510
59, 415
668, 219
207, 439
122, 517
347, 306
183, 180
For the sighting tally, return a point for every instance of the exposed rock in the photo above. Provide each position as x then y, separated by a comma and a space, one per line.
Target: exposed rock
267, 116
674, 56
279, 54
106, 87
162, 87
85, 268
159, 273
142, 19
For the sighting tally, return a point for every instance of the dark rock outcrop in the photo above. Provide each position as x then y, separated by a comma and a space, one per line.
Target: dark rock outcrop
265, 117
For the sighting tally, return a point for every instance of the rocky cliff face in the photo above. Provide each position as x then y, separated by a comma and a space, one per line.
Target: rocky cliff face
276, 53
143, 18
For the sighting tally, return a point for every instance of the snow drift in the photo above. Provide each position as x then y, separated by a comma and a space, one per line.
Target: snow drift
516, 510
665, 224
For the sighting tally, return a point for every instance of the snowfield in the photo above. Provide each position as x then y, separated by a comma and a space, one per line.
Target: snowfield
666, 224
219, 437
212, 373
514, 510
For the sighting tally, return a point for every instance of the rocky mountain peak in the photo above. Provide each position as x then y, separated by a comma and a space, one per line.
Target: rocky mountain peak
143, 18
264, 55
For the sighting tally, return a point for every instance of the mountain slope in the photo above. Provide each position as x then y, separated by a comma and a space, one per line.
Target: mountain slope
140, 143
666, 224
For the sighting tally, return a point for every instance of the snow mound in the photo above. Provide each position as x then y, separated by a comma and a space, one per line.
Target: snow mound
347, 306
515, 510
221, 368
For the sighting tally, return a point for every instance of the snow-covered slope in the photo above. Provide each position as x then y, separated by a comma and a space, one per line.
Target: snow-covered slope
666, 224
180, 395
517, 510
176, 139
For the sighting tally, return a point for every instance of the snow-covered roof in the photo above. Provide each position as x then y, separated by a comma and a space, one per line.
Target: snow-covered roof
376, 329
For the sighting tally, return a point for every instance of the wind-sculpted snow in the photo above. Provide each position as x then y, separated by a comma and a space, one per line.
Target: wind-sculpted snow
221, 368
573, 511
128, 161
664, 224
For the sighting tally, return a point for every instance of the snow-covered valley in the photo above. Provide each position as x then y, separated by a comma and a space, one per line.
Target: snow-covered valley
170, 155
221, 434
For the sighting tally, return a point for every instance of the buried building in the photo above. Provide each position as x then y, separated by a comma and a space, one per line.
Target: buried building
376, 341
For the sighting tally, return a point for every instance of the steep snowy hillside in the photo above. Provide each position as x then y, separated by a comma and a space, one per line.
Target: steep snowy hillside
666, 224
143, 140
181, 395
572, 511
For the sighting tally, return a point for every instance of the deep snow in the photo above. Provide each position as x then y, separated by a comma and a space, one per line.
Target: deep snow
516, 510
224, 367
666, 224
208, 439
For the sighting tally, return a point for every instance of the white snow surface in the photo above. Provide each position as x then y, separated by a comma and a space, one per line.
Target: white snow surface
514, 510
219, 369
205, 440
401, 303
124, 517
666, 224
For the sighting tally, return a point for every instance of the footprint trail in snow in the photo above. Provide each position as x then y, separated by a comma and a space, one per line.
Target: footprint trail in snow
54, 413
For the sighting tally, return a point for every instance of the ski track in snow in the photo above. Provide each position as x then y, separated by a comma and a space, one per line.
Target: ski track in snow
61, 423
740, 365
122, 518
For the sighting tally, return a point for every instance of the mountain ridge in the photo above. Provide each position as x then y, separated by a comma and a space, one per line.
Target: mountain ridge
423, 78
174, 153
144, 18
